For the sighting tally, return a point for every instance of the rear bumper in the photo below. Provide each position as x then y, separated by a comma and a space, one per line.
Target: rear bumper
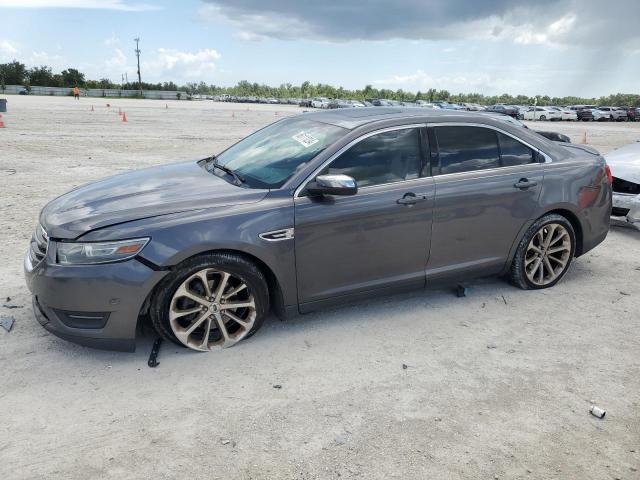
92, 305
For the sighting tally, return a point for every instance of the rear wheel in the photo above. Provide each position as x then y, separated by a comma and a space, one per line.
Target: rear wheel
210, 302
543, 118
544, 253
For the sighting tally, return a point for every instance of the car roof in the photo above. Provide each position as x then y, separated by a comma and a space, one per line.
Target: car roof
357, 117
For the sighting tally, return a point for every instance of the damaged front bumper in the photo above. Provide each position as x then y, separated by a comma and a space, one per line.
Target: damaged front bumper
626, 210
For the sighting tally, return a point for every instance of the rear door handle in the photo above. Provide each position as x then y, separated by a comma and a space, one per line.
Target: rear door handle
525, 183
410, 199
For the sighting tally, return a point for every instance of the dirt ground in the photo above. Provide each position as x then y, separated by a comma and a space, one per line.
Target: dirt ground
418, 386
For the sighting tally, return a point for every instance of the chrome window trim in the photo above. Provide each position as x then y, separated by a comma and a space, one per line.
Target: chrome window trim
278, 235
353, 142
547, 158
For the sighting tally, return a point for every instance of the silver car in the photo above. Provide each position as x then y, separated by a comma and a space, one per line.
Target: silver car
313, 211
625, 168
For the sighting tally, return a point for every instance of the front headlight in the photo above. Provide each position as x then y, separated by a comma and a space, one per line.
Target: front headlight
78, 253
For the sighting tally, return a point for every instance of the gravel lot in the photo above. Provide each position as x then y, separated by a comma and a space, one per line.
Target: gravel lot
496, 385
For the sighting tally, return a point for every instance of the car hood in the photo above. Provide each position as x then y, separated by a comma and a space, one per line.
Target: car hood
145, 193
625, 162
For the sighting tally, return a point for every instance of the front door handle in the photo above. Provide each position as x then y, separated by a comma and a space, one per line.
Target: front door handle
410, 199
525, 183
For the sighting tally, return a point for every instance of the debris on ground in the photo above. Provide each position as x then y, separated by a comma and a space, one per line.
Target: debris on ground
624, 293
597, 411
491, 346
405, 366
224, 441
11, 306
504, 299
7, 323
461, 291
277, 387
153, 357
340, 440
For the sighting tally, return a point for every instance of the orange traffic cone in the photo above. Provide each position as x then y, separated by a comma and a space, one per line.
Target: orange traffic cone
584, 139
2, 125
124, 117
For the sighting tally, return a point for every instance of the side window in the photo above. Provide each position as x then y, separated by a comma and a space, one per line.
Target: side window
512, 152
464, 149
382, 158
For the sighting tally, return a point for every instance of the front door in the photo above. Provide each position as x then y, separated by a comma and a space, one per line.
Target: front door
377, 238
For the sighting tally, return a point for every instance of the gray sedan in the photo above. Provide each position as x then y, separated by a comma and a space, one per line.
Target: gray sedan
311, 211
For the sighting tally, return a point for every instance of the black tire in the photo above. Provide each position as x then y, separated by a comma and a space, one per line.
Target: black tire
234, 264
542, 118
517, 274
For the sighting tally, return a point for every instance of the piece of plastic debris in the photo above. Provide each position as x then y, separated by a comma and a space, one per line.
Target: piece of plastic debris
597, 411
7, 323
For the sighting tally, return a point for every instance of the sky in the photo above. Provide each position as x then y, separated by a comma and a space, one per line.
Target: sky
543, 47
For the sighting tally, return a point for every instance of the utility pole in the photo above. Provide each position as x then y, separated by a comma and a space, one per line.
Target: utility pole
137, 50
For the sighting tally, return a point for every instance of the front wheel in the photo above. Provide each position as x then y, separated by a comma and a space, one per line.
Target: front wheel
544, 253
211, 301
542, 118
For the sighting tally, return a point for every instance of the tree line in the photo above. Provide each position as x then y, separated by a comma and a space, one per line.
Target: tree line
16, 73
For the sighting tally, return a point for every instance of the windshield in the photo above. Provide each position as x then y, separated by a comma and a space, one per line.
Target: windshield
269, 157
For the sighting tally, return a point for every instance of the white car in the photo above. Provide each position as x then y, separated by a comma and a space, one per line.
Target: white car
542, 113
600, 115
566, 113
320, 102
625, 169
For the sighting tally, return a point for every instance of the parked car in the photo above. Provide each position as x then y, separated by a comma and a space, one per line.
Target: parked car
600, 115
555, 136
320, 102
356, 103
338, 103
584, 112
566, 113
305, 102
542, 113
314, 210
23, 91
506, 110
625, 168
614, 113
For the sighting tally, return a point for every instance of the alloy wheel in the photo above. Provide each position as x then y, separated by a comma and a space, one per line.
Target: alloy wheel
548, 254
212, 309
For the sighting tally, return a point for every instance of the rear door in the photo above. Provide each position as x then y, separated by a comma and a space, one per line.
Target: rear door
378, 238
487, 188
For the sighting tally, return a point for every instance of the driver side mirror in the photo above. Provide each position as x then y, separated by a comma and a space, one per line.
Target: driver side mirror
333, 185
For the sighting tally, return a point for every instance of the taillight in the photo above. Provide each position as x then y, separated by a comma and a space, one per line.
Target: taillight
607, 170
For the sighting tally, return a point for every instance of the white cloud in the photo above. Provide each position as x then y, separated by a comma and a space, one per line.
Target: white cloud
8, 51
463, 82
117, 63
170, 63
112, 40
86, 4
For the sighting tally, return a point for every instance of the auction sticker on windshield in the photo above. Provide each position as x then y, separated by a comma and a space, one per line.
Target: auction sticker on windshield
305, 139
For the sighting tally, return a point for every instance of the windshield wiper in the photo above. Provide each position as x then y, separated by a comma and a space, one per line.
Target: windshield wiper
238, 179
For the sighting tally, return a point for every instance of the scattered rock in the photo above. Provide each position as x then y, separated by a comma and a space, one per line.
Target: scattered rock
491, 346
6, 323
224, 441
277, 387
511, 350
624, 293
405, 366
437, 419
340, 440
